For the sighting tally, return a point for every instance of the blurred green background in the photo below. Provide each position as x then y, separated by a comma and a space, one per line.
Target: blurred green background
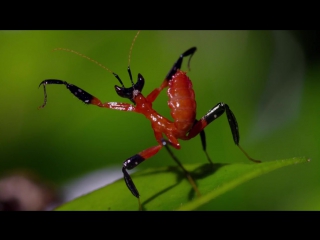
270, 79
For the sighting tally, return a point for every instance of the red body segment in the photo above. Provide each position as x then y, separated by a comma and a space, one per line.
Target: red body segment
183, 109
182, 103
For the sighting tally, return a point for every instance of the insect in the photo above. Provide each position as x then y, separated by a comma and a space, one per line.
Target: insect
182, 106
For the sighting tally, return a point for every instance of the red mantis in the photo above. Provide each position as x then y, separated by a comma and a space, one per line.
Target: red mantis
181, 102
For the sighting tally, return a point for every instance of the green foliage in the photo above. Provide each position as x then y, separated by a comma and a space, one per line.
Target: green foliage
168, 189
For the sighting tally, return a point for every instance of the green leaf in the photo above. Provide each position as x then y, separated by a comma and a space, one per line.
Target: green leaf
168, 189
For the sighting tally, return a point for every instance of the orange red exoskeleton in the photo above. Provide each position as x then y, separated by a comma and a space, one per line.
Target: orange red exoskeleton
183, 111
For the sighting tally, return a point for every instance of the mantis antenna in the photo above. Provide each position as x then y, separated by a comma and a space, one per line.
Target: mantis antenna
84, 56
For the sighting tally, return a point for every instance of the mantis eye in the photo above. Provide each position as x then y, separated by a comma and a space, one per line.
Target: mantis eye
128, 92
